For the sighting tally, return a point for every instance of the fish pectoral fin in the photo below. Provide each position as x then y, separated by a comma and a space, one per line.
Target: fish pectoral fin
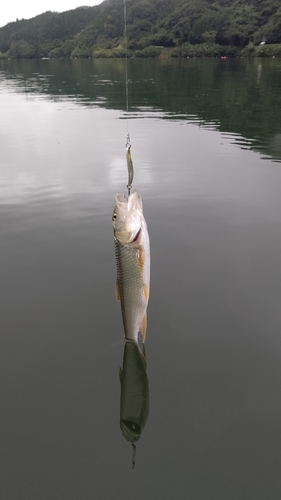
117, 293
120, 375
143, 327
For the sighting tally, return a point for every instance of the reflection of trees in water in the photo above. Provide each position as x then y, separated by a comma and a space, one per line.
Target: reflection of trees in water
235, 96
276, 145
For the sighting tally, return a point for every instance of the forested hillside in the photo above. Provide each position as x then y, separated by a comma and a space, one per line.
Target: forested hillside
177, 28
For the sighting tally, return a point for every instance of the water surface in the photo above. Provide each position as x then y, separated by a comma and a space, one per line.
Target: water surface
206, 148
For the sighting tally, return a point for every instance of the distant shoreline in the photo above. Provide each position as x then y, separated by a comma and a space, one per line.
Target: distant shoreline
187, 51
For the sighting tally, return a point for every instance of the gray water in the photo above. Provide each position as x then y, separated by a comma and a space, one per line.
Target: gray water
206, 148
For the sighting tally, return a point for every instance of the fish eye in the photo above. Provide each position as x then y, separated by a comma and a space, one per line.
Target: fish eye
114, 217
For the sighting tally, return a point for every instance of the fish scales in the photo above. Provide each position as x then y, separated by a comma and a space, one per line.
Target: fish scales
130, 285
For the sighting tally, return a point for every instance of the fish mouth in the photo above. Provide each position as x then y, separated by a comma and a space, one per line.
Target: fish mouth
120, 199
130, 430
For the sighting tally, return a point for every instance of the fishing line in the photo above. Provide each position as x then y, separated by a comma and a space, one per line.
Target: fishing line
128, 142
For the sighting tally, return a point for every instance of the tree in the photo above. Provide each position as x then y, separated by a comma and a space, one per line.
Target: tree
22, 50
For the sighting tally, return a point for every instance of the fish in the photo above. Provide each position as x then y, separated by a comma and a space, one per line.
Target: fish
132, 252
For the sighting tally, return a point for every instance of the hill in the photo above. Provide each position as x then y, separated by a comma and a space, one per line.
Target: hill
179, 28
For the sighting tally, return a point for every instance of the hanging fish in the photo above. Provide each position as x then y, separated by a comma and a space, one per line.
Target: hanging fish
132, 252
134, 400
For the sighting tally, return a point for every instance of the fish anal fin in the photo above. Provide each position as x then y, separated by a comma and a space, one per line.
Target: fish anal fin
143, 327
117, 293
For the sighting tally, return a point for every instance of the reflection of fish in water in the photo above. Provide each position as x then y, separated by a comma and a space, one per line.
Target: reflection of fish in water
133, 263
134, 401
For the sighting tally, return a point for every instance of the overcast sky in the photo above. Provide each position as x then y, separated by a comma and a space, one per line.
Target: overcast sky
25, 9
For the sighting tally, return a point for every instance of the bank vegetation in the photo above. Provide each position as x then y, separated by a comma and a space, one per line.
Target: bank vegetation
155, 28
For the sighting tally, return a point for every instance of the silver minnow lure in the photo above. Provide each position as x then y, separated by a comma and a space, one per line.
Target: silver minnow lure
133, 263
129, 166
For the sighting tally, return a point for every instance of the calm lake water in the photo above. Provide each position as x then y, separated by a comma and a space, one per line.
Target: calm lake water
206, 145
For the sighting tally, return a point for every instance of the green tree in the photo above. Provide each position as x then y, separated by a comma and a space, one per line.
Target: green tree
21, 50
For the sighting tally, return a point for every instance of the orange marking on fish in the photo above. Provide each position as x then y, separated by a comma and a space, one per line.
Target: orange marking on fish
141, 256
146, 292
143, 326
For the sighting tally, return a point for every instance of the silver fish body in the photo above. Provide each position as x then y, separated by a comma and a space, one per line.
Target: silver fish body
132, 252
